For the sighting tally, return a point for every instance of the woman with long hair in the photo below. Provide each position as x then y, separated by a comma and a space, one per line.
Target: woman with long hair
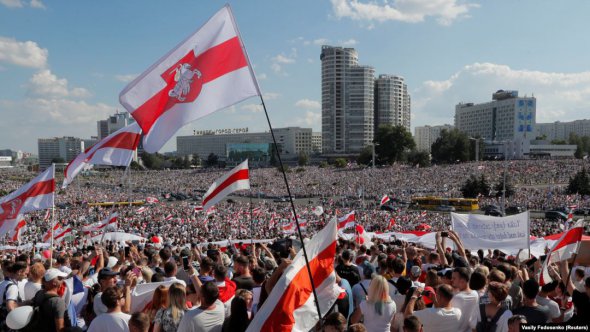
159, 301
240, 317
379, 309
167, 320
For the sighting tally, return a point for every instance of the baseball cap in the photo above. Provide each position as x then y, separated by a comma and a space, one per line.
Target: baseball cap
426, 298
54, 273
368, 269
105, 273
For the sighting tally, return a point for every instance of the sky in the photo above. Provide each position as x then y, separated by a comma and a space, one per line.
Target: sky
64, 63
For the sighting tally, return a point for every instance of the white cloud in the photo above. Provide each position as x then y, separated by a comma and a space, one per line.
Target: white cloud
271, 95
45, 83
261, 77
12, 3
278, 61
321, 41
37, 4
26, 54
560, 96
308, 104
125, 78
409, 11
254, 108
349, 42
313, 119
282, 59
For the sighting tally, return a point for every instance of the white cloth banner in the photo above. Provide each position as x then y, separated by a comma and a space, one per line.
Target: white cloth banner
478, 231
118, 237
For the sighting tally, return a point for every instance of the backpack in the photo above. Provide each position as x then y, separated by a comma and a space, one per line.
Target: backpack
4, 308
484, 325
36, 323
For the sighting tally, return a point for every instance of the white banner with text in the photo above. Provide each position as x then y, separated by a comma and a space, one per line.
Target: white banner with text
486, 232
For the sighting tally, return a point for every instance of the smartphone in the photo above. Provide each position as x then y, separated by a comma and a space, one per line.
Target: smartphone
185, 262
531, 261
137, 271
444, 234
127, 250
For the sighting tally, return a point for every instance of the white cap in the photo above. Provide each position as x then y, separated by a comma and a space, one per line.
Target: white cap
112, 262
54, 273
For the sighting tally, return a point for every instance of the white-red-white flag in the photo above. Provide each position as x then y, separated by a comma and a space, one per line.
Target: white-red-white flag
47, 215
291, 305
152, 200
362, 237
38, 194
347, 221
198, 209
61, 234
207, 72
14, 234
566, 247
318, 210
101, 225
168, 217
116, 150
141, 210
256, 212
236, 179
47, 235
384, 200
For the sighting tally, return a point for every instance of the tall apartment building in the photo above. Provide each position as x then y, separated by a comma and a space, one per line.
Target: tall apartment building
66, 148
113, 123
506, 117
347, 101
426, 135
562, 130
392, 102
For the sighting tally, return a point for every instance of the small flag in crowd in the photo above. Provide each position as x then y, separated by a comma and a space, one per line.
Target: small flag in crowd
236, 179
347, 221
384, 200
152, 200
141, 210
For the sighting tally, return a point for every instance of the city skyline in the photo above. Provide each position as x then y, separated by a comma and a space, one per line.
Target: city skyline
63, 64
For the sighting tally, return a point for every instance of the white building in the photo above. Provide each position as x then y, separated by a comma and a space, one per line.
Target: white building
506, 118
392, 102
113, 123
66, 148
291, 141
562, 130
347, 101
316, 142
426, 135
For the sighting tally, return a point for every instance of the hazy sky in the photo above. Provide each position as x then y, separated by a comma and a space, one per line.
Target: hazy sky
63, 63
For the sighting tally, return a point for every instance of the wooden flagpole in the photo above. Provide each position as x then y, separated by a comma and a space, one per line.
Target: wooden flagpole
52, 222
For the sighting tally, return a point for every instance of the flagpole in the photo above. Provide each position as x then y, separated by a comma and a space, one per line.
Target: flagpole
251, 224
52, 222
276, 148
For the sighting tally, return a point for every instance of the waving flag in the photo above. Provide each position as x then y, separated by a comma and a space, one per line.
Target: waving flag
384, 200
14, 234
347, 221
291, 305
111, 220
152, 200
362, 236
61, 233
141, 210
236, 179
318, 210
38, 194
116, 149
198, 209
565, 248
207, 72
47, 235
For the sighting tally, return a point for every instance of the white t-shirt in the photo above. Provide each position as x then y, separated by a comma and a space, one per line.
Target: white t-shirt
99, 307
502, 323
553, 307
374, 321
174, 279
468, 303
12, 292
203, 320
440, 319
111, 322
31, 288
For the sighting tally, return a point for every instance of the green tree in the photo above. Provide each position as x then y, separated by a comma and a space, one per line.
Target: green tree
135, 166
475, 186
340, 162
580, 183
500, 187
212, 160
366, 156
303, 159
452, 146
152, 161
559, 142
393, 143
420, 158
323, 164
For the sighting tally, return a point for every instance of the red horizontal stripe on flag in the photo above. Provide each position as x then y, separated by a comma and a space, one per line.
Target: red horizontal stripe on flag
39, 188
572, 236
242, 174
215, 62
299, 290
124, 140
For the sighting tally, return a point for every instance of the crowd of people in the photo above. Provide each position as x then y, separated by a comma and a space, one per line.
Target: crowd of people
199, 286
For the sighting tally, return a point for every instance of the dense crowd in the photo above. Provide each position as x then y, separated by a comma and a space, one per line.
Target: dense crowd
388, 286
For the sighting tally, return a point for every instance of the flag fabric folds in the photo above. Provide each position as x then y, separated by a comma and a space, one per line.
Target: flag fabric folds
236, 179
347, 221
47, 235
38, 194
101, 225
207, 72
290, 306
565, 248
384, 200
116, 150
20, 224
